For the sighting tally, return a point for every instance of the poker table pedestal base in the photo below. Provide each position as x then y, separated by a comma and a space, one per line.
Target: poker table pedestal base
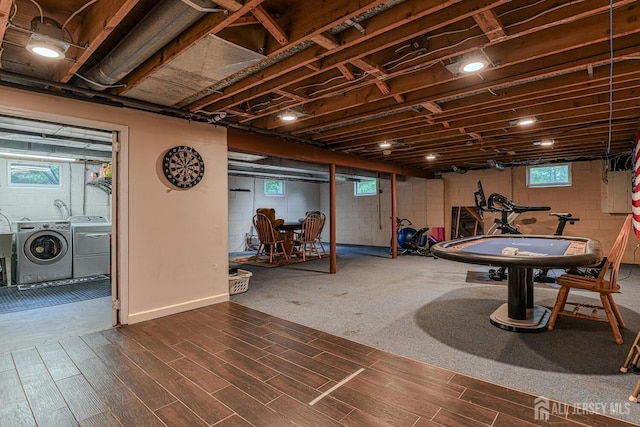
536, 321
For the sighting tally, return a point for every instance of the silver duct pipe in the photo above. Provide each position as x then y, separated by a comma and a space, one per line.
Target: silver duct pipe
165, 22
62, 206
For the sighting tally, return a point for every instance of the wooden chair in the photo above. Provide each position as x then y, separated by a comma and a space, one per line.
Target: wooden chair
605, 284
308, 235
269, 238
323, 219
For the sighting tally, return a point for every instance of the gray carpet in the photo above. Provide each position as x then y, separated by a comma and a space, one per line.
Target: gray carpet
13, 299
424, 308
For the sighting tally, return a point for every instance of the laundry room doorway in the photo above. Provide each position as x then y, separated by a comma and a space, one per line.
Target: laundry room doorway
58, 211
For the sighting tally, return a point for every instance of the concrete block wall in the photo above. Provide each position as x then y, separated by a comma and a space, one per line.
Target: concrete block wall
358, 217
299, 197
435, 203
37, 204
411, 200
582, 199
366, 220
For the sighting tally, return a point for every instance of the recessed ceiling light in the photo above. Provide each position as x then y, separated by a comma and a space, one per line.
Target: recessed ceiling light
469, 63
385, 144
289, 115
45, 49
47, 39
473, 64
430, 156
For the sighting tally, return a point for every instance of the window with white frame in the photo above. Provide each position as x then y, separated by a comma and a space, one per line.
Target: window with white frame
34, 174
365, 188
273, 187
558, 175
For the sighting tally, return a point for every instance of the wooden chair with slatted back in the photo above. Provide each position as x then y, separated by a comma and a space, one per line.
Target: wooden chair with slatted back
269, 238
323, 219
308, 235
605, 284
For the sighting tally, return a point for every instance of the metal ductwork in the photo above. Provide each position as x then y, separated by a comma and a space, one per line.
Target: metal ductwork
165, 22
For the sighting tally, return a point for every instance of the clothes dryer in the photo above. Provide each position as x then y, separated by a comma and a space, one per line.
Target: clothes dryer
43, 251
91, 245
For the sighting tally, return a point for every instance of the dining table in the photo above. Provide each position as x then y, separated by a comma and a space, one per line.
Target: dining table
290, 228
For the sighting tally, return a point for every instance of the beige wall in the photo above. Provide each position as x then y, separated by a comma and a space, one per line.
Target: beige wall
582, 199
173, 244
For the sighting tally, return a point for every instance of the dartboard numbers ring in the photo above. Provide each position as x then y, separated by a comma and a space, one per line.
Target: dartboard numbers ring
183, 166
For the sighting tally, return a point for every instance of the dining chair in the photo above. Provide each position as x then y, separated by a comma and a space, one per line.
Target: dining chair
268, 237
323, 219
307, 236
605, 284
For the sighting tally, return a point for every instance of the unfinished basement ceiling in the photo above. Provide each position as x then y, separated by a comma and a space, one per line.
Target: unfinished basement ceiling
359, 73
204, 64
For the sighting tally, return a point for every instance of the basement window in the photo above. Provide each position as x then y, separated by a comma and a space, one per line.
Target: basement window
274, 187
34, 175
549, 176
365, 188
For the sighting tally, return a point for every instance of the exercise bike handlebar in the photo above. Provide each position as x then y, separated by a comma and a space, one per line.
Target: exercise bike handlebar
532, 208
499, 203
565, 216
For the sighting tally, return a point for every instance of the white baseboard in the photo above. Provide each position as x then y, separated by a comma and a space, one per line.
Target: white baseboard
177, 308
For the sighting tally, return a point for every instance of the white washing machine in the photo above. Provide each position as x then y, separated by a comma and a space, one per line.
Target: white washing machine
43, 251
91, 245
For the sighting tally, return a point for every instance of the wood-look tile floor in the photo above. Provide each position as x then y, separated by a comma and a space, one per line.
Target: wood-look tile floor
228, 365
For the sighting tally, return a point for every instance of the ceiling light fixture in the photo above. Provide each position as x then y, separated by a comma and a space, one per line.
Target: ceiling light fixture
36, 156
47, 39
545, 142
469, 63
430, 156
524, 121
385, 144
289, 115
245, 157
472, 65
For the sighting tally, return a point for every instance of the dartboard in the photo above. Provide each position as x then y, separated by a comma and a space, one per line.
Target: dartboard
183, 166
